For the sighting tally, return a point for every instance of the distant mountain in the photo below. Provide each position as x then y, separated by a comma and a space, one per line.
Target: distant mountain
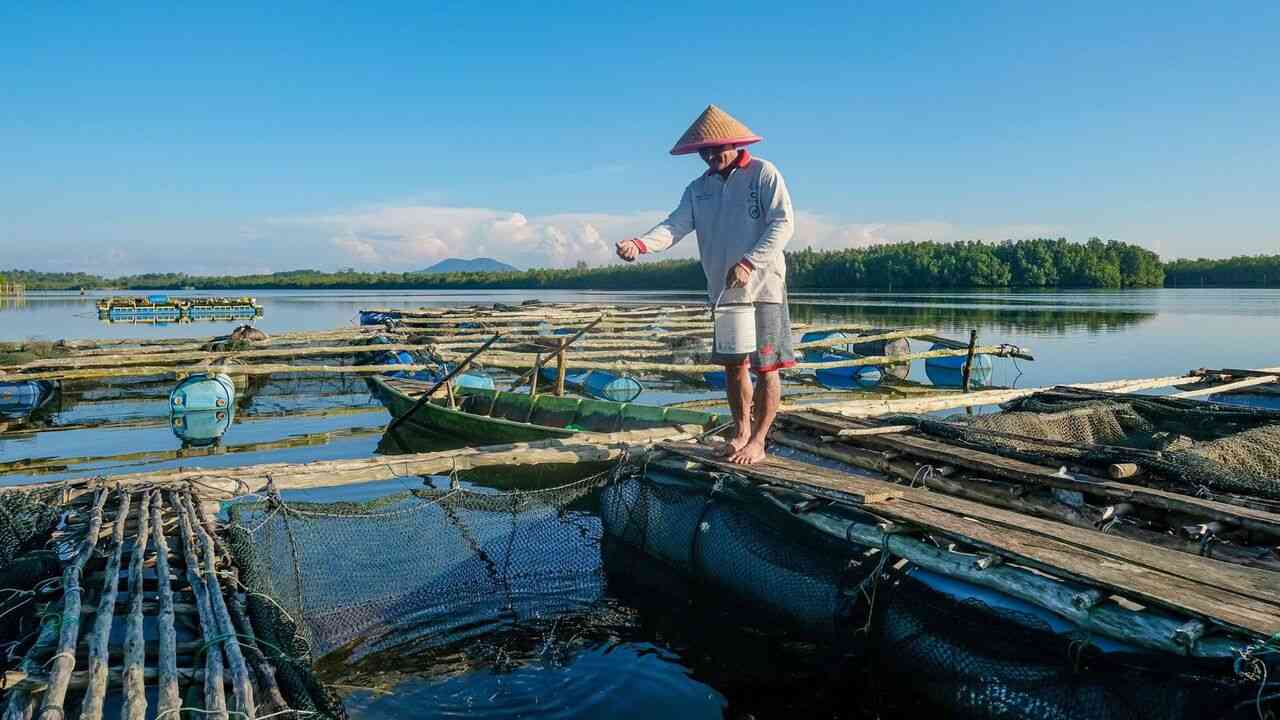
473, 265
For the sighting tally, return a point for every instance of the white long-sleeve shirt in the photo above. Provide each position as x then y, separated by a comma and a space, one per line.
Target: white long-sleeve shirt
746, 216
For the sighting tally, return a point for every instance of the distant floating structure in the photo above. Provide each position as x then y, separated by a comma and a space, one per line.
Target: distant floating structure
162, 308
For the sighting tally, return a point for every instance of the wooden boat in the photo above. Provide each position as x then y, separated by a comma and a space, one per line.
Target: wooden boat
490, 416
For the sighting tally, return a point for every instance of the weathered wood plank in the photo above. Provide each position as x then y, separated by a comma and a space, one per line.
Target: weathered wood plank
847, 488
1198, 586
241, 687
101, 634
64, 660
135, 695
997, 465
215, 701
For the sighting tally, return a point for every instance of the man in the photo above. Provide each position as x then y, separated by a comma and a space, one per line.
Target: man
742, 214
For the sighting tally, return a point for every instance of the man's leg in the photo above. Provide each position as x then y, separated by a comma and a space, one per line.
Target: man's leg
768, 396
739, 391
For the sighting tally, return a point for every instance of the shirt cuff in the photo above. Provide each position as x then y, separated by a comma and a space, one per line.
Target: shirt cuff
749, 265
640, 244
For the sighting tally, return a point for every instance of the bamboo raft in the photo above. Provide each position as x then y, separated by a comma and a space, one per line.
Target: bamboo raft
161, 547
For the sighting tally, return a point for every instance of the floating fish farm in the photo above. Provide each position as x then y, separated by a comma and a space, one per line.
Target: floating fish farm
1088, 550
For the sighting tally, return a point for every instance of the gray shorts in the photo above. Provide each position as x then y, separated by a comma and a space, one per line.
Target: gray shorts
773, 341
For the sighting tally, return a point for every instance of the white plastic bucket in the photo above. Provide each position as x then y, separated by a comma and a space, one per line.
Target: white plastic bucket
735, 329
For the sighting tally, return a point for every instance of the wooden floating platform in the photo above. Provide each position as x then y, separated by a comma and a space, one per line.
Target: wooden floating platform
1239, 601
163, 308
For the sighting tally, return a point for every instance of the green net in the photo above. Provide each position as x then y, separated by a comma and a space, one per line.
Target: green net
1203, 447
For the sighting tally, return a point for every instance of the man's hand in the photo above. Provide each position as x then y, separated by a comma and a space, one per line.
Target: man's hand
628, 250
738, 275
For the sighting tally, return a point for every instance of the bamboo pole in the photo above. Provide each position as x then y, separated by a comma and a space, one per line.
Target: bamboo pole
37, 466
101, 634
512, 353
905, 334
537, 365
135, 694
241, 688
177, 358
967, 370
533, 379
64, 661
546, 340
580, 311
622, 366
577, 448
242, 626
864, 408
215, 701
169, 343
1237, 385
167, 370
560, 369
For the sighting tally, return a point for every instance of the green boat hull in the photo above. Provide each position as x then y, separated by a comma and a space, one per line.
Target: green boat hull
497, 417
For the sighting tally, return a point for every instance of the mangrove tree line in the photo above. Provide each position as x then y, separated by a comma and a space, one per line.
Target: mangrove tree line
1038, 263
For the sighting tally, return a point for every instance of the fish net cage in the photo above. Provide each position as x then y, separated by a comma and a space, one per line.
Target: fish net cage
985, 662
408, 571
413, 580
922, 650
1205, 448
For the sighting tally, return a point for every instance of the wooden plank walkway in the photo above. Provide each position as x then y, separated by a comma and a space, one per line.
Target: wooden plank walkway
1240, 598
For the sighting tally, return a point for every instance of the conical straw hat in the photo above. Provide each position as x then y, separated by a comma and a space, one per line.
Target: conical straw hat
714, 127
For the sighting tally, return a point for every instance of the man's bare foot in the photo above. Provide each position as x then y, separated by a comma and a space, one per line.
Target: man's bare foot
734, 446
750, 454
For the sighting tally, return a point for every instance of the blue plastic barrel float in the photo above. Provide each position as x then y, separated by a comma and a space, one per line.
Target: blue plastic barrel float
201, 428
158, 299
203, 391
20, 399
858, 376
376, 317
949, 371
470, 379
598, 384
1265, 401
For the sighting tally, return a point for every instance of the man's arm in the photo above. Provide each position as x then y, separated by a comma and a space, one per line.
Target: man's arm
779, 219
663, 235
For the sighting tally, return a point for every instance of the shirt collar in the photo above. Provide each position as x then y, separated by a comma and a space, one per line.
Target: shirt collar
744, 157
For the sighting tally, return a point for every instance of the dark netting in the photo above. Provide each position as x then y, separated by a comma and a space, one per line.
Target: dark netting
977, 661
27, 568
716, 532
410, 570
1202, 446
790, 557
26, 519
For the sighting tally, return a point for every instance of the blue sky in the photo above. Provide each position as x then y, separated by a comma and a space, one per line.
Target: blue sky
388, 136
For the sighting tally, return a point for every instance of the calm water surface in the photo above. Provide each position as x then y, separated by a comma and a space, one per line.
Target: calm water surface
648, 645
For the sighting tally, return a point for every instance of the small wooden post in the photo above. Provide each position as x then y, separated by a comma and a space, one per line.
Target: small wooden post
560, 369
968, 360
533, 376
448, 388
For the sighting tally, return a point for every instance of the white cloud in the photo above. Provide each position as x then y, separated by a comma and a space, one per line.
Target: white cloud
408, 236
